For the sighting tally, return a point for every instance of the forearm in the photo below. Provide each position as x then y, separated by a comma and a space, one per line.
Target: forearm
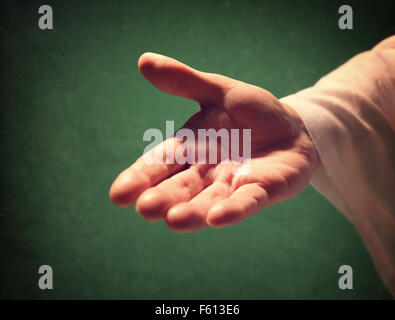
350, 116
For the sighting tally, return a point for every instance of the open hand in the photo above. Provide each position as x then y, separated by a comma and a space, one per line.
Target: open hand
192, 197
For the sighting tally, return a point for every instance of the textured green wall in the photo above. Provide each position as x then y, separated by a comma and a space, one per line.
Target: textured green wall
73, 112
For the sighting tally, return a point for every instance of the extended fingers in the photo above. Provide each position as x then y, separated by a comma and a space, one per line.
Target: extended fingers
244, 202
191, 216
217, 206
183, 186
147, 171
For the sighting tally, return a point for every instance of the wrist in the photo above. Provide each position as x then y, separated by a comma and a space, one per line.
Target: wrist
301, 129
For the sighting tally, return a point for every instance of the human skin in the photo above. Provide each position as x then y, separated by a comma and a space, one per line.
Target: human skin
192, 197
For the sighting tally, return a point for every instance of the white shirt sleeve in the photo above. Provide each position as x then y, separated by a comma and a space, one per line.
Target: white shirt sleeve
350, 116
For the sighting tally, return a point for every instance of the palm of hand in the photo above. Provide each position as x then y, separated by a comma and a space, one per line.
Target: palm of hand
282, 155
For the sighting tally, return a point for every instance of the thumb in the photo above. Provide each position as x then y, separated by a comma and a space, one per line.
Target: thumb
174, 77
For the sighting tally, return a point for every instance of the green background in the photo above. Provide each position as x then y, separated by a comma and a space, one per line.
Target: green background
73, 112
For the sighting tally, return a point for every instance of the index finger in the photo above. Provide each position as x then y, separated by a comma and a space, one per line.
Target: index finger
142, 174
